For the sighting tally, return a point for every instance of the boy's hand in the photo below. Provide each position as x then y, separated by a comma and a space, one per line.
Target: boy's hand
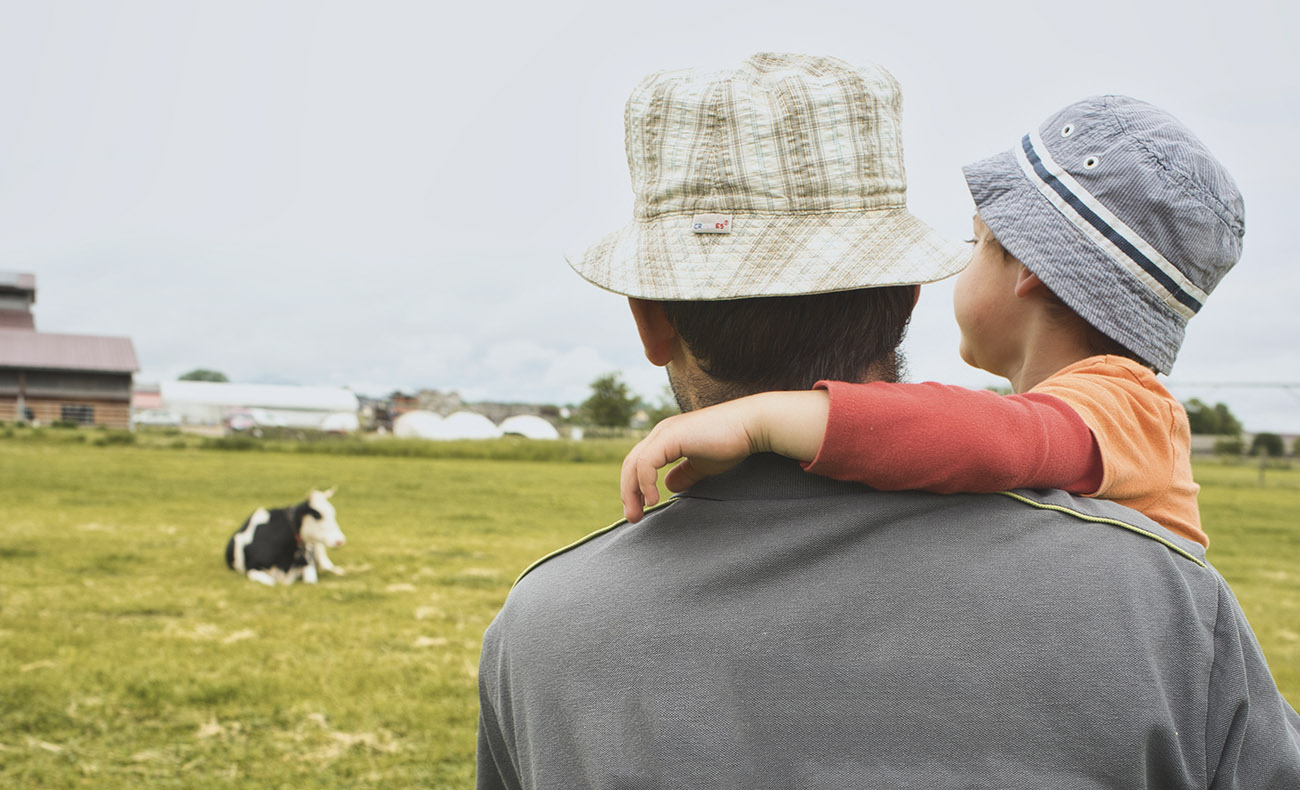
714, 439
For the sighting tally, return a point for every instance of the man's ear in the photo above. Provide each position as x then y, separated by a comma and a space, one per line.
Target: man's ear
1027, 282
658, 336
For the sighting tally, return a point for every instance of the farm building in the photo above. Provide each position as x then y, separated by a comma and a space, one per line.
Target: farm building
529, 426
210, 403
420, 424
417, 424
47, 377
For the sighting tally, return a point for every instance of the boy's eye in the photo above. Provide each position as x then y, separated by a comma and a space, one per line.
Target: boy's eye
971, 241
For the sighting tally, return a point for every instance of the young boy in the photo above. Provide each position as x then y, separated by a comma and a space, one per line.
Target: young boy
1096, 239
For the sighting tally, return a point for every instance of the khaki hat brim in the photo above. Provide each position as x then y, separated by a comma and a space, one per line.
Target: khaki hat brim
770, 254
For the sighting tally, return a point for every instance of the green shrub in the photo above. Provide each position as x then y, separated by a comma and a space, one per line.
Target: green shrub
113, 437
236, 442
158, 430
1269, 444
1229, 447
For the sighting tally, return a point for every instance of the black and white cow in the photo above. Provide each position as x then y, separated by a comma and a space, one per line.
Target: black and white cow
287, 544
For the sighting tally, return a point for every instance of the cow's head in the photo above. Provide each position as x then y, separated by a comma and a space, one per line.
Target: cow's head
319, 524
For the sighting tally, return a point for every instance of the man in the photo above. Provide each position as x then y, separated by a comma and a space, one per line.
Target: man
769, 628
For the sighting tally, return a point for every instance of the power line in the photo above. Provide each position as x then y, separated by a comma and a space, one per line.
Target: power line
1243, 384
1289, 388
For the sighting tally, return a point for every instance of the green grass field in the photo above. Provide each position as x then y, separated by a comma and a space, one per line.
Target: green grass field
130, 656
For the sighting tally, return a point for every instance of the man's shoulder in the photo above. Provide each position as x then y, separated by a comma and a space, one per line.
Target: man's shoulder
1017, 520
1106, 515
586, 539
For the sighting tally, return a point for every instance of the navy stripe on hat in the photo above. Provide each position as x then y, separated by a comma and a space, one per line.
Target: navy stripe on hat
1121, 242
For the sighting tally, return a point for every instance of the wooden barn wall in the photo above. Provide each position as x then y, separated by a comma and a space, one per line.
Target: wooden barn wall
107, 396
113, 414
67, 384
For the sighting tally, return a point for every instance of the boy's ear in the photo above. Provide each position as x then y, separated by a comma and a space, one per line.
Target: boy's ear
658, 337
1027, 282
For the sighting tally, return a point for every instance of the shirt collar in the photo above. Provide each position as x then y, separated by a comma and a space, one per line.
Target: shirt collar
768, 476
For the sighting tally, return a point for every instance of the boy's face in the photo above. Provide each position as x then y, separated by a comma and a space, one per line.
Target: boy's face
985, 304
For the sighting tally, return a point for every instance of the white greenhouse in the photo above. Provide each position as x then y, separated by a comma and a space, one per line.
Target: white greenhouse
530, 426
209, 402
341, 422
417, 425
468, 425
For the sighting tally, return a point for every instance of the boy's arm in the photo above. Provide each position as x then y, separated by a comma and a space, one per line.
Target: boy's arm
948, 439
892, 437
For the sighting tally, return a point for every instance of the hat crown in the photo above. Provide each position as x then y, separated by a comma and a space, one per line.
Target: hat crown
1151, 172
782, 133
782, 177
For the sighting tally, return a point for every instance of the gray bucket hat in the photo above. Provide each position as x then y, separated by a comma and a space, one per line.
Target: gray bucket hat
1122, 212
779, 178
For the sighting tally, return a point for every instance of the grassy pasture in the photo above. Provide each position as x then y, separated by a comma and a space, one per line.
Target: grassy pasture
131, 657
1255, 543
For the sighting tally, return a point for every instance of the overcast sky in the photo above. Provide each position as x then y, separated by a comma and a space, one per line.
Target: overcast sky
380, 195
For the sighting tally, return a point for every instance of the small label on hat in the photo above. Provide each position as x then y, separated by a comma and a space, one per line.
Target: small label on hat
711, 223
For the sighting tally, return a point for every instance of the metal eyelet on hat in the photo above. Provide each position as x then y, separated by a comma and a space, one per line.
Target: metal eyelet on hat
1068, 130
1091, 162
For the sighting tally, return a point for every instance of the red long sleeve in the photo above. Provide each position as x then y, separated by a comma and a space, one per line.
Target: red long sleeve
937, 437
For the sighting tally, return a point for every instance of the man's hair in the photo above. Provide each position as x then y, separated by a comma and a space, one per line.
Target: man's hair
791, 342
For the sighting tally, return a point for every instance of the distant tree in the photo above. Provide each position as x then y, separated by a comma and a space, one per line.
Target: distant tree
203, 374
1229, 425
1214, 420
1295, 446
611, 404
1269, 444
665, 408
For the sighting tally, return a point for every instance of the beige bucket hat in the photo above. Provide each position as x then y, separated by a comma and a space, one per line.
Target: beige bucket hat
780, 178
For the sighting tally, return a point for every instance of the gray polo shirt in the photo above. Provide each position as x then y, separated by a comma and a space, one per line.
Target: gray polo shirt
774, 629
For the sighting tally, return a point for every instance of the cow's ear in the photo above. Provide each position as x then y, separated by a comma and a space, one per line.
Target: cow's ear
330, 492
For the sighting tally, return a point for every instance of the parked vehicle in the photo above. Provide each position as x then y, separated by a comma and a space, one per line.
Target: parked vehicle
157, 417
252, 419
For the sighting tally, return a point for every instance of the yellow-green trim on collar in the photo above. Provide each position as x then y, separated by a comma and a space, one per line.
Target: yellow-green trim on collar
1169, 544
586, 538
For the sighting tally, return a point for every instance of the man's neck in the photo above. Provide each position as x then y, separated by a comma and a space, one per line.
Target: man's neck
694, 389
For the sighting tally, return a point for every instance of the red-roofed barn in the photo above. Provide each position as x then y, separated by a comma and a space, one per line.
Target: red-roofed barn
45, 377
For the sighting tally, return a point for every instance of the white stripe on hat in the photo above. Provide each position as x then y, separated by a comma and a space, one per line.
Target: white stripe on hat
1117, 226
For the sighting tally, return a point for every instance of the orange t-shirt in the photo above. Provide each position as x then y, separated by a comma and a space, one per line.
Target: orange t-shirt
1144, 438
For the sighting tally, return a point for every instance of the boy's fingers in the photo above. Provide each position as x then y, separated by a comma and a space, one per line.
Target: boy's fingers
639, 477
632, 512
682, 477
649, 478
629, 490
